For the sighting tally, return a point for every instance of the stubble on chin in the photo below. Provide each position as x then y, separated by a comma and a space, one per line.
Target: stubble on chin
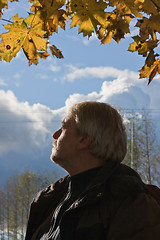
53, 153
55, 158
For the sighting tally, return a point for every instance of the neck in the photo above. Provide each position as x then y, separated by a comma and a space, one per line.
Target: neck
83, 164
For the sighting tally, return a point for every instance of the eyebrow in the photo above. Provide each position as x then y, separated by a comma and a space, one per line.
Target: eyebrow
63, 122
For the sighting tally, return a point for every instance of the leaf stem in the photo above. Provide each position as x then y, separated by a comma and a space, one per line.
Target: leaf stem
52, 3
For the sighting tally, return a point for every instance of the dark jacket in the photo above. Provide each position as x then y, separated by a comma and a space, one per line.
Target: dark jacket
115, 206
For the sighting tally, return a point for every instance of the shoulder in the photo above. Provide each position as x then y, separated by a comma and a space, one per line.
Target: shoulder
126, 182
136, 218
45, 200
50, 191
43, 203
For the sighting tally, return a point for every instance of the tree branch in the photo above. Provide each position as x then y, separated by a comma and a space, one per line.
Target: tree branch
6, 20
158, 8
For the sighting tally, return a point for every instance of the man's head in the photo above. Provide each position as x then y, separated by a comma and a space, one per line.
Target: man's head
91, 134
103, 124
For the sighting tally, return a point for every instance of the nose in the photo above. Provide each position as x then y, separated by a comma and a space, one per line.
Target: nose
57, 134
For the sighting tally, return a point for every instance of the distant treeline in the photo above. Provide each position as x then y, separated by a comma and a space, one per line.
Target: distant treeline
15, 198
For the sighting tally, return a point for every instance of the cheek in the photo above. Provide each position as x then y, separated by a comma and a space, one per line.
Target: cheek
60, 141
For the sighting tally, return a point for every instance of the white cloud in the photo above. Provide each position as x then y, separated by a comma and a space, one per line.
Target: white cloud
2, 82
20, 55
43, 76
87, 41
73, 37
53, 65
24, 127
76, 97
122, 88
17, 76
97, 72
54, 68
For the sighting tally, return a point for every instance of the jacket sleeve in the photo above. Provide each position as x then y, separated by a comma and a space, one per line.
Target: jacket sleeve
136, 219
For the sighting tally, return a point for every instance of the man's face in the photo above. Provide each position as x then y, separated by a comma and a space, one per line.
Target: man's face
64, 146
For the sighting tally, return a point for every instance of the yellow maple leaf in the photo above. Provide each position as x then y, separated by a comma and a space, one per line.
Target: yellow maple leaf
150, 71
13, 40
151, 7
107, 37
43, 55
53, 15
30, 51
121, 29
116, 30
35, 42
147, 47
122, 11
36, 32
145, 31
142, 47
20, 35
3, 4
151, 58
33, 20
89, 15
135, 45
35, 5
55, 51
133, 5
40, 43
85, 25
154, 22
148, 27
117, 23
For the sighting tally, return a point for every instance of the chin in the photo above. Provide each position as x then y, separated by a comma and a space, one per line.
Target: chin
57, 160
52, 157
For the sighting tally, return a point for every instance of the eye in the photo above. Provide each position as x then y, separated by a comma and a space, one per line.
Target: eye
63, 125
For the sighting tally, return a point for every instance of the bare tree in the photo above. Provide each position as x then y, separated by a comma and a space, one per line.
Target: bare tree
143, 148
16, 197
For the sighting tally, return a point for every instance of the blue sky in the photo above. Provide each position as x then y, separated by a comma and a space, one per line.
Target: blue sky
34, 100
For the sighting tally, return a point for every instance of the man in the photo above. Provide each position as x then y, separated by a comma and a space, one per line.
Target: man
101, 198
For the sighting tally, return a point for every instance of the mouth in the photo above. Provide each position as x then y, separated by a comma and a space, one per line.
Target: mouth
53, 150
54, 144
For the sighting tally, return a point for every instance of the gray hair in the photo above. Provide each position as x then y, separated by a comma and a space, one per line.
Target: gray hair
104, 125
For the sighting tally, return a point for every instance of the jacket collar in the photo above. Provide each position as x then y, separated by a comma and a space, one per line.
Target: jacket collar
97, 188
104, 173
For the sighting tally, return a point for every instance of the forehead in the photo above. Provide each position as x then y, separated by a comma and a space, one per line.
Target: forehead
68, 121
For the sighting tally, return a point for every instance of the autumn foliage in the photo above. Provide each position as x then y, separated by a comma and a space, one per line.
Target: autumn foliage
109, 19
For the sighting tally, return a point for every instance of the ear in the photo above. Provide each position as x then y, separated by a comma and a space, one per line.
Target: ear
84, 142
